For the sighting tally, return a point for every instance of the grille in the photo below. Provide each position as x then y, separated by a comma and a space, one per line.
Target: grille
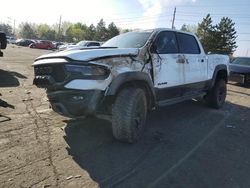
56, 71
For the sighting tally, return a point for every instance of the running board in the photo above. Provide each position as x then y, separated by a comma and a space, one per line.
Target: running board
179, 99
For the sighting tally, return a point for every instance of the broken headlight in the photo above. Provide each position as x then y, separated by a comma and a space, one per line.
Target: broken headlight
86, 70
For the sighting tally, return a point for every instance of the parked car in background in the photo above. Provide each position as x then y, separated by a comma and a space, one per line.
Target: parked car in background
24, 42
43, 44
57, 44
240, 70
11, 40
81, 44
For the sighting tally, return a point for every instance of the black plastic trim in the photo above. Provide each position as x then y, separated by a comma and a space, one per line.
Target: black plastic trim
218, 68
129, 77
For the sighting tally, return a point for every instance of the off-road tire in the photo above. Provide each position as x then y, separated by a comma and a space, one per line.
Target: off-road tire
3, 40
129, 115
216, 97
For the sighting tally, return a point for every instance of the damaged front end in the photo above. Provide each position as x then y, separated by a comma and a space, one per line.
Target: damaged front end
77, 88
73, 88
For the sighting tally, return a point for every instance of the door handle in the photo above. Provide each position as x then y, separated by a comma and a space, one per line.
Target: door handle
181, 59
201, 60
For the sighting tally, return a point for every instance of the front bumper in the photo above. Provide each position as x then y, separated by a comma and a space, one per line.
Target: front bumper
75, 103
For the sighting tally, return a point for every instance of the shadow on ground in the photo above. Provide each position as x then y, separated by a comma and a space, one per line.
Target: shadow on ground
10, 79
5, 104
239, 84
165, 156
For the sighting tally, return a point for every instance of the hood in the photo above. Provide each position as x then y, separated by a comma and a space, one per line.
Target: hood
239, 68
90, 54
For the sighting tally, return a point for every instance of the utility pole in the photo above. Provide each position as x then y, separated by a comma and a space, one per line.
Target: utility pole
173, 27
59, 28
14, 27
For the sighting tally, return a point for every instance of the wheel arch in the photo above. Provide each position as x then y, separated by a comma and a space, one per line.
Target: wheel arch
133, 79
220, 72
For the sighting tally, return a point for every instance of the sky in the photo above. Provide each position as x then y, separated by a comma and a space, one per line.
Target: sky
132, 14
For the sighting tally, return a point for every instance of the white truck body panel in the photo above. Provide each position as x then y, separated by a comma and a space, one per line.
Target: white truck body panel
81, 84
89, 54
167, 72
214, 60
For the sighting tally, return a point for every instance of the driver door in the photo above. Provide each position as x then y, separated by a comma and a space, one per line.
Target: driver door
168, 66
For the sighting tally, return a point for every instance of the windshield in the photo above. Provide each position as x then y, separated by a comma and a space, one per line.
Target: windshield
241, 61
129, 40
81, 43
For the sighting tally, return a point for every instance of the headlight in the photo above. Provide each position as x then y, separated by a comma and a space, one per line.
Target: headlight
87, 70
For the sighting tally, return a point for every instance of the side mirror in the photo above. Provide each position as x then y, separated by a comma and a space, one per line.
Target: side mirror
3, 41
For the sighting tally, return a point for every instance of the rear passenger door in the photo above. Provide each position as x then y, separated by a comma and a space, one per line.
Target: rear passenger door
195, 65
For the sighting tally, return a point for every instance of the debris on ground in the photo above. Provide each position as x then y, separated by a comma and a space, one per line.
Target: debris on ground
78, 176
69, 177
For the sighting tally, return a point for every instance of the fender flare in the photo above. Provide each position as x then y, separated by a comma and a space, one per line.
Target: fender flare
218, 68
131, 77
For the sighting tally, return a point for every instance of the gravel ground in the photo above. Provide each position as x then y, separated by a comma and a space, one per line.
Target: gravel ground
185, 145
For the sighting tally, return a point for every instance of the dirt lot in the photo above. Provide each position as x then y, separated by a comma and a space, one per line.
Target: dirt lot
185, 145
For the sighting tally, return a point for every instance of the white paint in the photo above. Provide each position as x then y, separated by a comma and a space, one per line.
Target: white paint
87, 55
214, 60
195, 70
50, 61
167, 72
81, 84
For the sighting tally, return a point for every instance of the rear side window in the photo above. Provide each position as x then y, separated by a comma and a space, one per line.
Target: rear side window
188, 44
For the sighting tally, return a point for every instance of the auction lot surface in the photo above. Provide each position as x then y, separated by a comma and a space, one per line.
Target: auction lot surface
185, 145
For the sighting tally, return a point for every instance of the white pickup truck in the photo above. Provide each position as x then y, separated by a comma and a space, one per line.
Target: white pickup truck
130, 75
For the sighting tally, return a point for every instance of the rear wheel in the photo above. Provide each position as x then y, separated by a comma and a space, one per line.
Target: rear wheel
129, 115
217, 95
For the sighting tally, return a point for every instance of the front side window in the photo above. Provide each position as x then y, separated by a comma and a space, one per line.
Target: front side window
188, 44
166, 43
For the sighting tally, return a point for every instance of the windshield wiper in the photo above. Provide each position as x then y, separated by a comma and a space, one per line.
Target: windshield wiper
103, 47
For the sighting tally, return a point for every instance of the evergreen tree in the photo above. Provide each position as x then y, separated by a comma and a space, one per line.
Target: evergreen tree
101, 31
6, 28
27, 31
112, 30
226, 36
206, 34
91, 32
220, 38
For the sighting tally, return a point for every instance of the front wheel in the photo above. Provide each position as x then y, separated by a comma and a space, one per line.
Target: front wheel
217, 95
129, 115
